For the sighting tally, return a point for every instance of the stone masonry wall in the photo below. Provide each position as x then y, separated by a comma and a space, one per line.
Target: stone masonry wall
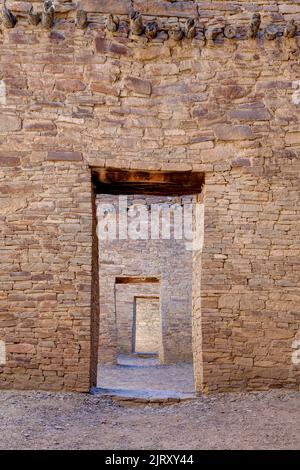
148, 325
168, 260
76, 98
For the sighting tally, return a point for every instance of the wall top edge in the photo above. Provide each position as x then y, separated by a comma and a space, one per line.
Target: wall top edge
163, 8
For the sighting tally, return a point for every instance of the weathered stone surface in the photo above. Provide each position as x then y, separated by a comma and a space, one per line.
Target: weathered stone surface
232, 92
22, 7
138, 85
104, 46
293, 138
2, 92
21, 348
106, 89
251, 114
271, 84
70, 85
241, 162
115, 7
174, 344
64, 156
39, 126
9, 161
165, 8
152, 52
127, 296
229, 109
289, 8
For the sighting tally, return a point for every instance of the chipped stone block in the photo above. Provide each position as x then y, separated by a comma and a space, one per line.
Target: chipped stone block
138, 85
9, 123
2, 93
64, 156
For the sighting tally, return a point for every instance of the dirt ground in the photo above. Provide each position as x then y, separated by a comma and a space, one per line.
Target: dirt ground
40, 420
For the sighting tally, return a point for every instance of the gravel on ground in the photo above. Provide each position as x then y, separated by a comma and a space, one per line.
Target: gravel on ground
43, 420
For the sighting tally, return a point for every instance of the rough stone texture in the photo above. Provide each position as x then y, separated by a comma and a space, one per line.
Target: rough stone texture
228, 132
46, 239
146, 375
243, 421
248, 305
2, 93
148, 325
118, 7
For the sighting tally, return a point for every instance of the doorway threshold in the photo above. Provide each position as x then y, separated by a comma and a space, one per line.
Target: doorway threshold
143, 397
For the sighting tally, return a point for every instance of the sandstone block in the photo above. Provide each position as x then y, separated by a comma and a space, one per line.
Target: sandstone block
104, 46
39, 126
152, 52
289, 9
232, 92
116, 7
280, 333
164, 8
241, 162
230, 301
292, 138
